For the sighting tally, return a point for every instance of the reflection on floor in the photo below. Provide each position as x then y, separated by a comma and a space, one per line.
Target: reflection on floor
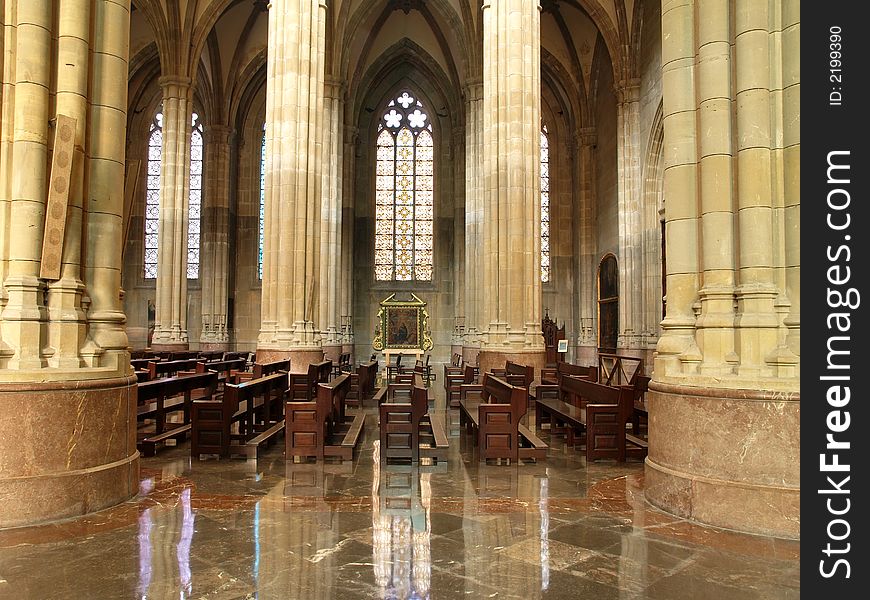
235, 529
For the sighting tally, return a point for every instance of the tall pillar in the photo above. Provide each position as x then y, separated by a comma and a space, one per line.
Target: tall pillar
717, 363
512, 210
331, 219
457, 157
294, 126
587, 350
628, 191
473, 218
215, 240
351, 135
170, 319
68, 357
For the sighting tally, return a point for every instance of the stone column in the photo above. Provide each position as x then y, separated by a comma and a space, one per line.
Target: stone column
512, 211
331, 219
69, 361
724, 417
791, 161
628, 192
215, 240
757, 322
585, 246
170, 321
294, 125
457, 156
473, 218
351, 135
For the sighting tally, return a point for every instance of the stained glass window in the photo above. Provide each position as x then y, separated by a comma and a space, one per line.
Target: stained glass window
404, 192
195, 199
262, 203
545, 206
152, 195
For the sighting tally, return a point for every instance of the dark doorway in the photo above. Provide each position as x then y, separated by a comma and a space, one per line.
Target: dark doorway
608, 304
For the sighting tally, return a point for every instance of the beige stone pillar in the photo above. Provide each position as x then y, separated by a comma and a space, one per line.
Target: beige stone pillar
69, 360
351, 135
715, 168
727, 368
457, 157
791, 169
587, 352
331, 218
629, 220
512, 211
294, 126
473, 218
757, 322
215, 239
677, 342
170, 322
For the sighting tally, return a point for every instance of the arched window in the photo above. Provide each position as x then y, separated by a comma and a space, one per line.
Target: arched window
545, 206
195, 199
404, 192
262, 203
152, 196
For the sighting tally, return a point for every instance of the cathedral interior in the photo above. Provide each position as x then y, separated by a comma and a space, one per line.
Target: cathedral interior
469, 185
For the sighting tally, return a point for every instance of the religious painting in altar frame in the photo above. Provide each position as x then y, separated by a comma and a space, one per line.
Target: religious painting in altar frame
402, 325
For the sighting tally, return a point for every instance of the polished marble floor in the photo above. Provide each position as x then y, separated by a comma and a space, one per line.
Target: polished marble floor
234, 529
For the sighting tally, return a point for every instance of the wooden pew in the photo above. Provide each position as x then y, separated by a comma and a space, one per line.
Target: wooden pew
158, 397
260, 370
454, 382
320, 428
601, 411
210, 355
255, 405
495, 419
170, 368
368, 373
181, 355
223, 368
303, 386
408, 431
551, 376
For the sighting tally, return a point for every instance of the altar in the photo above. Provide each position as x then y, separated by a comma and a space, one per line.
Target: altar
402, 329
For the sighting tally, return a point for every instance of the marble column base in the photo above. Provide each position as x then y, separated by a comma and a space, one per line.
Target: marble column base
299, 359
66, 449
470, 354
214, 346
332, 352
178, 347
487, 360
729, 458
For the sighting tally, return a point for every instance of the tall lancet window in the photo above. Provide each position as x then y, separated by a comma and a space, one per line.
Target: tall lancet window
195, 199
262, 203
152, 196
404, 192
545, 205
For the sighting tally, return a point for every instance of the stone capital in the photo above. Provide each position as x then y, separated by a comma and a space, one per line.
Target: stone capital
219, 134
627, 90
473, 89
585, 136
333, 88
176, 86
